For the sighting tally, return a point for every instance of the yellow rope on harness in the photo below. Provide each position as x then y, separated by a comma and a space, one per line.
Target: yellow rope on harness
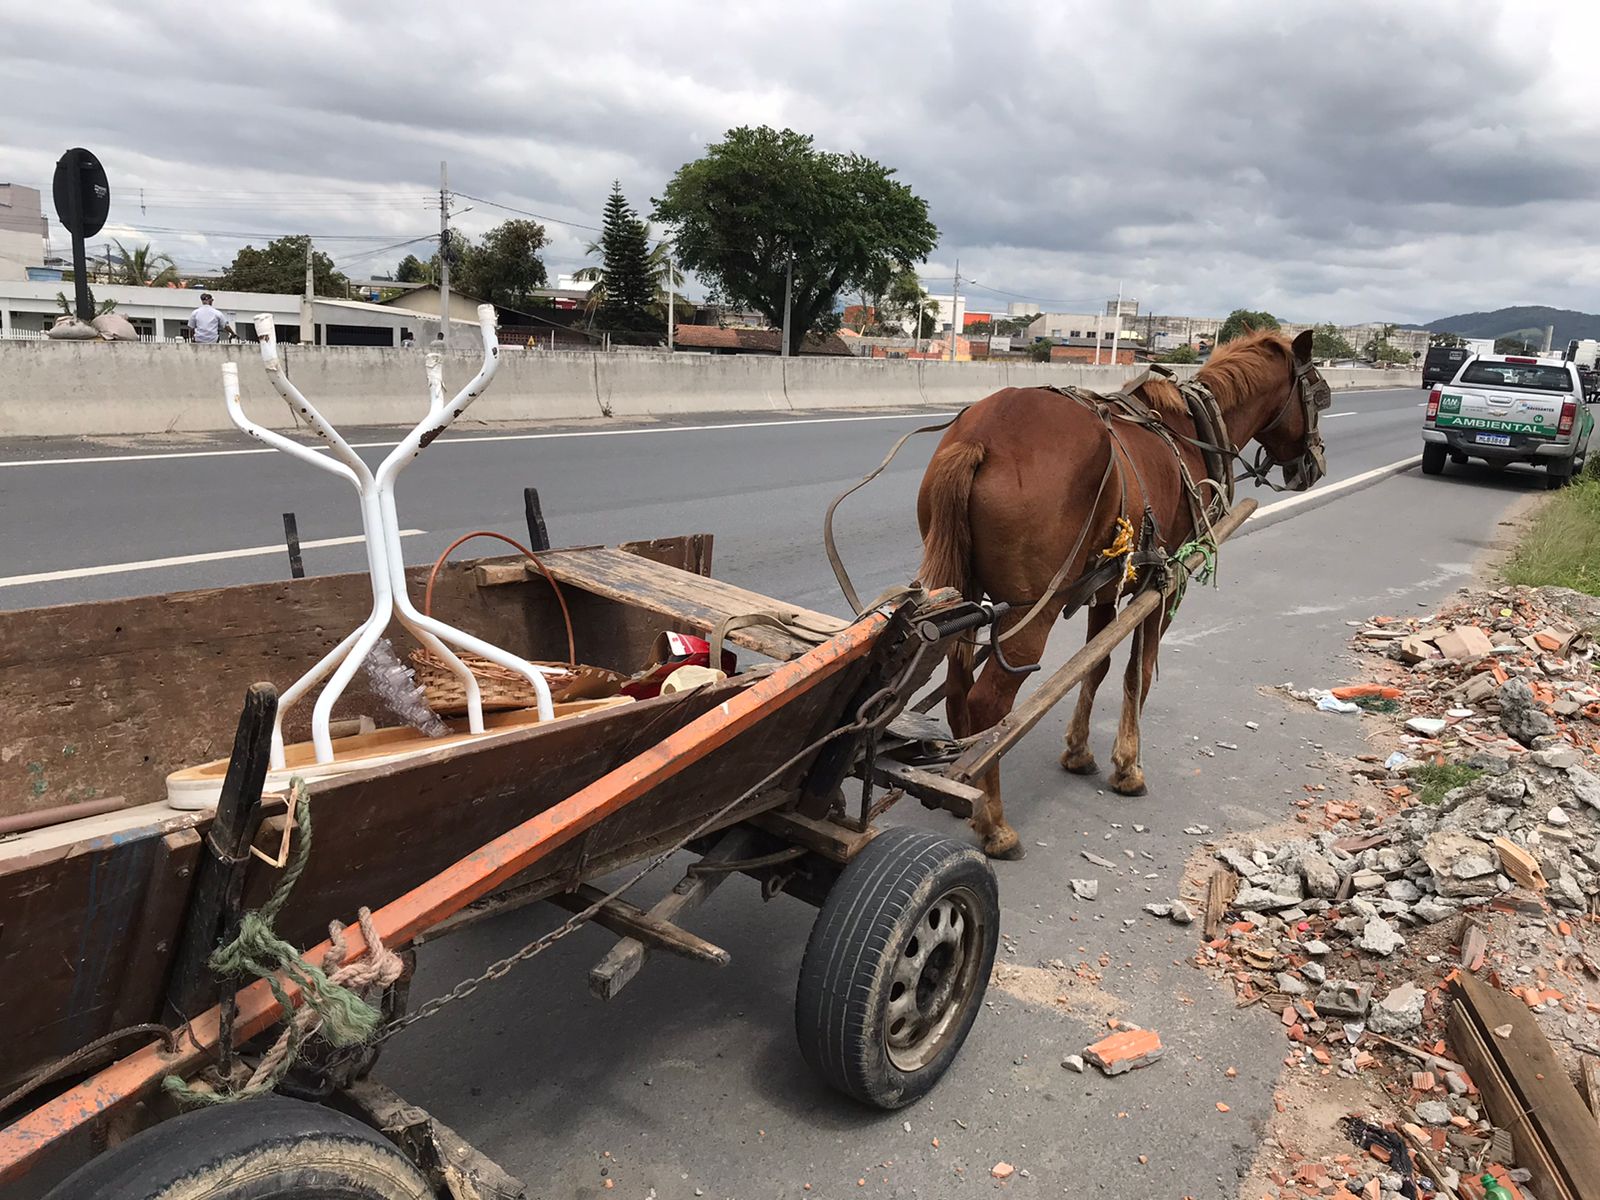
1122, 546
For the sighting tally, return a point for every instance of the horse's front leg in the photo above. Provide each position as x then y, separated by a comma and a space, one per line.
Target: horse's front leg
1077, 757
1127, 772
989, 701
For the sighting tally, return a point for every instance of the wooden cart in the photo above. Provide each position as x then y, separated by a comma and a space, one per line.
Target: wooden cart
107, 921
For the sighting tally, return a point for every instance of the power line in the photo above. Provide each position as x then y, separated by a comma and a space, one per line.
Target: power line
522, 212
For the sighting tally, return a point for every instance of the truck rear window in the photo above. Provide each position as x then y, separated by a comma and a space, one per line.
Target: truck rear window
1532, 377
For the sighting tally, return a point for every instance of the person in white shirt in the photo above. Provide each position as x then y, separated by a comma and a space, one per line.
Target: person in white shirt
206, 323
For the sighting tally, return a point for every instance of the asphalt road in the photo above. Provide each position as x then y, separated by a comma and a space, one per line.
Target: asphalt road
760, 484
689, 1084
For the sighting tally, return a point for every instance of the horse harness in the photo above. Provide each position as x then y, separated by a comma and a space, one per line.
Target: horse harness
1144, 563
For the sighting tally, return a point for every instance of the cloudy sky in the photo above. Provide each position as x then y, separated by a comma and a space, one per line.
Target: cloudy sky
1325, 161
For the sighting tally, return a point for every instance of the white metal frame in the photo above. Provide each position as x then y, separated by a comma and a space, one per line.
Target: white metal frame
380, 524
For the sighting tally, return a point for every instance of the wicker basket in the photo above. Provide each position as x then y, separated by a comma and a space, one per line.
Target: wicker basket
504, 689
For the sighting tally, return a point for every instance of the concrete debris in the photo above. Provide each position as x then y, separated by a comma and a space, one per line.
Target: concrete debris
1468, 845
1400, 1012
1379, 937
1085, 889
1073, 1062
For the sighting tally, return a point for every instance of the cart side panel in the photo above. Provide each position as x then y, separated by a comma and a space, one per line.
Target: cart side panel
86, 937
378, 836
108, 698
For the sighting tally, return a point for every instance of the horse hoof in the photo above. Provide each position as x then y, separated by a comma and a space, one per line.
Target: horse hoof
1004, 844
1132, 785
1079, 764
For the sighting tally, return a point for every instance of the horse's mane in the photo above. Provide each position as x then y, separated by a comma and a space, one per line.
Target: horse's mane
1236, 369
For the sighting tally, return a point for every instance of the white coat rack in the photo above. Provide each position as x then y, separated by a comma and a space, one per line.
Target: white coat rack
380, 525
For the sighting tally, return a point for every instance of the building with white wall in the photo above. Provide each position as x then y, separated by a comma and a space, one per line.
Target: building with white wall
23, 230
28, 309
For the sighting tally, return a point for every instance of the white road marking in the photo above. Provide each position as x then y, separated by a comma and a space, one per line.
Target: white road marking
475, 439
181, 560
1333, 489
1331, 416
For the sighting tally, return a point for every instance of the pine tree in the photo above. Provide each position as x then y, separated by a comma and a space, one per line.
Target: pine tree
630, 285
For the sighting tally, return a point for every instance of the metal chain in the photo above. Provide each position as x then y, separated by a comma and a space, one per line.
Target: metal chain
499, 969
876, 711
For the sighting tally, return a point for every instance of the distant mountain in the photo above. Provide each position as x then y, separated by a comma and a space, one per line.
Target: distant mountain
1521, 319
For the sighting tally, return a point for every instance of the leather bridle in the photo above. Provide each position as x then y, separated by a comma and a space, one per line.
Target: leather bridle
1311, 464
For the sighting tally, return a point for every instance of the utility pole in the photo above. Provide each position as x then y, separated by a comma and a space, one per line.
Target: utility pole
444, 254
1116, 325
955, 309
672, 324
1097, 329
788, 295
308, 314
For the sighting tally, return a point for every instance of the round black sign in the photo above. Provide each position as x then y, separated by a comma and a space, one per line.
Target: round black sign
83, 197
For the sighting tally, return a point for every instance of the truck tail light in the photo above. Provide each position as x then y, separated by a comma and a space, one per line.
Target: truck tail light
1569, 415
1433, 404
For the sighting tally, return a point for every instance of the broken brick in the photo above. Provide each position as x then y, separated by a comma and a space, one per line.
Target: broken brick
1125, 1050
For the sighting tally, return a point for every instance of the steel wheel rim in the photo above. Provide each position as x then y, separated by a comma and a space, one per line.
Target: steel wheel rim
933, 979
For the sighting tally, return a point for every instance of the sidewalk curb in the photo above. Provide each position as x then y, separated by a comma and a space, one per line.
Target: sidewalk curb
1283, 510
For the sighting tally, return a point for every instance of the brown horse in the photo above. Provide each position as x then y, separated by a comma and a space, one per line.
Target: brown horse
1019, 477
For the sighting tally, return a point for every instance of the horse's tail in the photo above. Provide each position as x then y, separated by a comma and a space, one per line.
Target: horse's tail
947, 540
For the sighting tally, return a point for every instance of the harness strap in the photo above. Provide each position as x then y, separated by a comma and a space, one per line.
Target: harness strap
836, 562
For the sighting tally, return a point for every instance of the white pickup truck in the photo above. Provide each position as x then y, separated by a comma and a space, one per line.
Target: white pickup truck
1506, 409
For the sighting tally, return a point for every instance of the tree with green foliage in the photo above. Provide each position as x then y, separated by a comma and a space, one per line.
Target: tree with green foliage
763, 202
281, 268
1516, 343
411, 270
1327, 342
142, 268
627, 282
1242, 321
1180, 354
909, 302
1040, 350
1380, 349
505, 267
1014, 326
1448, 340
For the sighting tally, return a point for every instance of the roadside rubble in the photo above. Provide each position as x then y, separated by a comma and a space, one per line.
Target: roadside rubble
1470, 847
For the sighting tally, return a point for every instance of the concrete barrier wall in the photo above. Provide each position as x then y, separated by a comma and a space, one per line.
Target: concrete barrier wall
96, 388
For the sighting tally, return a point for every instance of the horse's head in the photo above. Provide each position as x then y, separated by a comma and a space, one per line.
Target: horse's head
1291, 439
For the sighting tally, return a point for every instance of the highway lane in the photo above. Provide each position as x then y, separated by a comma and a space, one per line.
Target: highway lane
690, 1083
759, 483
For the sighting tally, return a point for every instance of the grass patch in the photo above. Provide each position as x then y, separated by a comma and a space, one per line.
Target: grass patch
1438, 778
1562, 547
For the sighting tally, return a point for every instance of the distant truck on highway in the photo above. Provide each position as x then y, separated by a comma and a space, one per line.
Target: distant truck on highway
1505, 409
1585, 355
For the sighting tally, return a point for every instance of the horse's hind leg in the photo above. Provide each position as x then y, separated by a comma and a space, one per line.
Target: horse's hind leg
1077, 757
1127, 772
989, 701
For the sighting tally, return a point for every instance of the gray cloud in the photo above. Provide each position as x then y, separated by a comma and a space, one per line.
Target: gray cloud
1327, 161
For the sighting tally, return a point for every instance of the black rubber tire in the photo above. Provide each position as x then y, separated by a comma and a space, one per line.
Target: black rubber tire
272, 1148
1558, 474
1433, 456
873, 912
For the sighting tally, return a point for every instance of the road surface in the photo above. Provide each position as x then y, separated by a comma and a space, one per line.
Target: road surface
690, 1084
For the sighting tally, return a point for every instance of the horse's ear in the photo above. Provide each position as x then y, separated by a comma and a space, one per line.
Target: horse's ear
1302, 346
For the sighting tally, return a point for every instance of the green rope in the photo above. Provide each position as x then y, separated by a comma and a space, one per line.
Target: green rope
257, 950
1206, 572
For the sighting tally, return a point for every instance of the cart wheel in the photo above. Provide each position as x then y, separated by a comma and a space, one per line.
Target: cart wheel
897, 964
267, 1149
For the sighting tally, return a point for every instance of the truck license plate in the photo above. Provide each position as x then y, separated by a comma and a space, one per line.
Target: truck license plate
1493, 439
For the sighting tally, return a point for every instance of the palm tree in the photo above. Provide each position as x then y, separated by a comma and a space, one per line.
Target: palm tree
141, 268
666, 273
